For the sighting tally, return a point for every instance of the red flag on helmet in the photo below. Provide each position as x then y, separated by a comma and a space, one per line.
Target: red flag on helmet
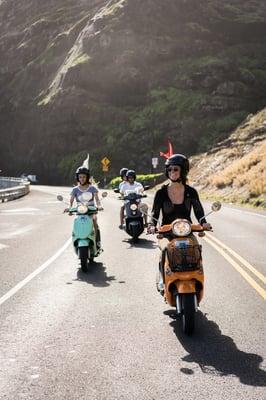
169, 152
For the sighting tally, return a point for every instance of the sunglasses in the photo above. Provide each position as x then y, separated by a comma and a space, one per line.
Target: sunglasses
175, 169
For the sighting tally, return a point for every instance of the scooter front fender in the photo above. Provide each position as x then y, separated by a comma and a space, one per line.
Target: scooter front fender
82, 243
134, 227
179, 287
186, 286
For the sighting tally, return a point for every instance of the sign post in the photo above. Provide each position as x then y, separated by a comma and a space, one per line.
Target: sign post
105, 167
154, 162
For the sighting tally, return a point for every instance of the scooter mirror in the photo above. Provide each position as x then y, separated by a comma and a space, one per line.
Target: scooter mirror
87, 196
104, 194
60, 198
216, 206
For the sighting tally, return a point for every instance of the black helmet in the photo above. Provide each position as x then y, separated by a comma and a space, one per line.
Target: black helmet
182, 161
123, 172
82, 170
131, 173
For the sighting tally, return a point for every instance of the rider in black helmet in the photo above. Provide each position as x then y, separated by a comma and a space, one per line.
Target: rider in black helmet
132, 184
84, 185
181, 161
83, 171
122, 173
176, 198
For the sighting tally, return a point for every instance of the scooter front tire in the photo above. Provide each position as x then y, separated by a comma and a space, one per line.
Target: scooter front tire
135, 232
188, 314
83, 255
91, 255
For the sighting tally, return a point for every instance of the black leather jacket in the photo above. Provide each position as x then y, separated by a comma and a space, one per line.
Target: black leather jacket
171, 211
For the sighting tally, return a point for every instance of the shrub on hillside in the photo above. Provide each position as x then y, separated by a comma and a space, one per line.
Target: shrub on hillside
149, 179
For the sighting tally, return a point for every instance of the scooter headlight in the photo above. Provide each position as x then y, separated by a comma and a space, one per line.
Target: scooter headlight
133, 207
181, 227
82, 209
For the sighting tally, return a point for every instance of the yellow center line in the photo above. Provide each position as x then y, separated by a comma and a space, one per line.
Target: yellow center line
245, 275
239, 258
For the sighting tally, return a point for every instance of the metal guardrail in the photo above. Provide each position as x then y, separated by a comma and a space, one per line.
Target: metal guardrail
13, 188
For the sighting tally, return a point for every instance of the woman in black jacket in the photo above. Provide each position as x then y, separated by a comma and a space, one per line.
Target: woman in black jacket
176, 199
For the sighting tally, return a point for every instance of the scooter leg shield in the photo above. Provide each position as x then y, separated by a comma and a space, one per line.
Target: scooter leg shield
135, 228
186, 286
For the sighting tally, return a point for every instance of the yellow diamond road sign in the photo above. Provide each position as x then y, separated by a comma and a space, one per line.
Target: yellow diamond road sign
105, 162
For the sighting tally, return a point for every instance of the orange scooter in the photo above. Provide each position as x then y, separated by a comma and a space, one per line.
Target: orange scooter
181, 268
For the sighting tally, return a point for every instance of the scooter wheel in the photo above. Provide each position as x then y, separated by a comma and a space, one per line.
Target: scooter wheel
135, 239
188, 316
83, 255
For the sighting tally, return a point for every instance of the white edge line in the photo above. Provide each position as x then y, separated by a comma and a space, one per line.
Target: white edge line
247, 212
24, 282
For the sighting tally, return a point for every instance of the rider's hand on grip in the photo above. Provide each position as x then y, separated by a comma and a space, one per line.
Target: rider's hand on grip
151, 229
207, 227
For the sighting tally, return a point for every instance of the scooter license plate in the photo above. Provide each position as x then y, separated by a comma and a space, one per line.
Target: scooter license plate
182, 243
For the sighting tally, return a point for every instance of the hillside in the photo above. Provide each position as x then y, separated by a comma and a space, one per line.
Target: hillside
117, 77
235, 170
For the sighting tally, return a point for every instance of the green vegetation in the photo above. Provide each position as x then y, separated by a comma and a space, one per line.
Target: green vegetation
189, 73
149, 179
68, 165
217, 130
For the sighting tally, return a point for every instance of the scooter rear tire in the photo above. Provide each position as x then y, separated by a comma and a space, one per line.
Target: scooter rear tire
83, 255
188, 315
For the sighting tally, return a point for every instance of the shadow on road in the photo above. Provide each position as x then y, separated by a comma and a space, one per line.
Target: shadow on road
141, 243
96, 275
216, 353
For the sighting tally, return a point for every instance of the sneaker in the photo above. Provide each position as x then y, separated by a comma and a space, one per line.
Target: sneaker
121, 226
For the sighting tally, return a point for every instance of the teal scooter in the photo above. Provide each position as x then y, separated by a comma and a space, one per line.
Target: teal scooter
83, 235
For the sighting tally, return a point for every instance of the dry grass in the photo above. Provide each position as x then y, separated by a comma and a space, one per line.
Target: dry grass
248, 171
235, 171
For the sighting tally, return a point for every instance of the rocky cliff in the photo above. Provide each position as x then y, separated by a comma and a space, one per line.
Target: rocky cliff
116, 78
235, 169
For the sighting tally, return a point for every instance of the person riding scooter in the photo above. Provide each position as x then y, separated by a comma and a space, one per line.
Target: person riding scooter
122, 173
176, 199
84, 185
130, 185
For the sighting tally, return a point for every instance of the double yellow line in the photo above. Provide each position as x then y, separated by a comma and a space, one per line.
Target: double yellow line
226, 251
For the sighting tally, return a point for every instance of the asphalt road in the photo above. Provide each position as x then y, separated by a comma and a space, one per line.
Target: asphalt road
108, 334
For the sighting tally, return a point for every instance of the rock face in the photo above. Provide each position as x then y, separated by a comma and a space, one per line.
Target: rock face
116, 78
235, 170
